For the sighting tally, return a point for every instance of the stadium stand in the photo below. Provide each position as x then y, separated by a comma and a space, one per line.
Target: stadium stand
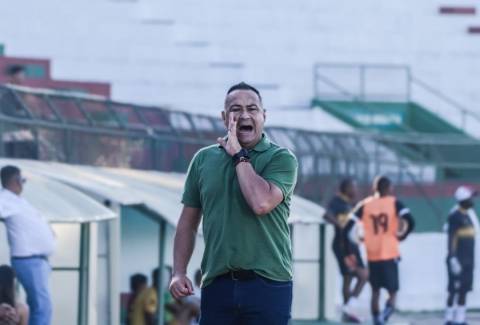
36, 73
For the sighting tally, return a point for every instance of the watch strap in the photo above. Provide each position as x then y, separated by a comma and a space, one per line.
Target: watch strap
241, 156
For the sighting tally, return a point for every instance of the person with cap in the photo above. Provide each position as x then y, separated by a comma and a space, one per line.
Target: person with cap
31, 241
461, 255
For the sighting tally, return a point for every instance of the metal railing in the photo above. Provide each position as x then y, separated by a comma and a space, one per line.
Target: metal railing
469, 120
361, 82
365, 83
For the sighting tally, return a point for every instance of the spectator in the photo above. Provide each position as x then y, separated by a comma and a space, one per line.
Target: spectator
138, 283
31, 242
11, 311
145, 306
16, 74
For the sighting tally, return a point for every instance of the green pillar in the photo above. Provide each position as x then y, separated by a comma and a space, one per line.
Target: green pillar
321, 272
83, 274
161, 269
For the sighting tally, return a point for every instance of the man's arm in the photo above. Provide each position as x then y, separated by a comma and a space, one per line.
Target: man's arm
330, 218
404, 213
452, 236
260, 195
331, 213
355, 216
184, 243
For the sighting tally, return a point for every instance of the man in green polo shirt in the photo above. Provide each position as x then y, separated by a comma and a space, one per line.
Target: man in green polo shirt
242, 186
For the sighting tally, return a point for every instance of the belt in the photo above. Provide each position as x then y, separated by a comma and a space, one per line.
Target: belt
43, 257
240, 275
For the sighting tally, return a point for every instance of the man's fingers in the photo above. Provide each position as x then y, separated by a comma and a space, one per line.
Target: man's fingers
174, 293
177, 292
233, 125
222, 142
181, 288
189, 286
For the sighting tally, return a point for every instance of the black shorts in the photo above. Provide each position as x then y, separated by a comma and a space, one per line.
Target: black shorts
384, 274
340, 254
462, 282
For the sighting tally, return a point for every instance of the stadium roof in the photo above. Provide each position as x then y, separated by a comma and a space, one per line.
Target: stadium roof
157, 191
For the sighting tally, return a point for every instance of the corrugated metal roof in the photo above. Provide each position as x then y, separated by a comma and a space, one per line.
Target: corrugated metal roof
57, 201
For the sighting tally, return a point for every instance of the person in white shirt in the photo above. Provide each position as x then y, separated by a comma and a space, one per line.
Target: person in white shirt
31, 242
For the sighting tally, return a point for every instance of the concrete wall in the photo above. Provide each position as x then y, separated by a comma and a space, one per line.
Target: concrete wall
185, 54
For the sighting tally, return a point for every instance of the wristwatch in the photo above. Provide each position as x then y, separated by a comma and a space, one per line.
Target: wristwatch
241, 156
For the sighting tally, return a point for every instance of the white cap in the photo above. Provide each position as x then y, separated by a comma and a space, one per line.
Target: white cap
464, 193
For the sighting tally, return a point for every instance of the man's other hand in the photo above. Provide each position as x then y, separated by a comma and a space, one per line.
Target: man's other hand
181, 286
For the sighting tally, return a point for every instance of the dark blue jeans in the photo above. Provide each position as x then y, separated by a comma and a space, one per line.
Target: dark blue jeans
259, 301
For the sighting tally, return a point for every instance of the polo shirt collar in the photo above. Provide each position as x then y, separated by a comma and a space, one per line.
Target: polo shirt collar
263, 144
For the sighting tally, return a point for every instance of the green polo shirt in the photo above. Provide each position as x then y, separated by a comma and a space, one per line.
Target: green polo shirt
236, 238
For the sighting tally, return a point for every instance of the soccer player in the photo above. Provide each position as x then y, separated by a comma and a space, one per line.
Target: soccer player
460, 259
386, 221
351, 265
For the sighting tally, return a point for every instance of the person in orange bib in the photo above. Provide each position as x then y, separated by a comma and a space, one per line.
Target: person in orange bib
385, 221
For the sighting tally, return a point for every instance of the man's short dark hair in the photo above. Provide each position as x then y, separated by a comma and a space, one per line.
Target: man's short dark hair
13, 69
137, 280
345, 184
7, 173
382, 184
244, 86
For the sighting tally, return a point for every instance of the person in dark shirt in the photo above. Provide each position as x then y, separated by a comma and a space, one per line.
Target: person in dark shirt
138, 283
460, 259
349, 259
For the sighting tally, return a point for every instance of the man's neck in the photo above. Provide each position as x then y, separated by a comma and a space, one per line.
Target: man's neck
10, 191
463, 210
251, 146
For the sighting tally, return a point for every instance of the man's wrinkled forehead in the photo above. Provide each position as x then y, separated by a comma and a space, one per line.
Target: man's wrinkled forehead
242, 97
